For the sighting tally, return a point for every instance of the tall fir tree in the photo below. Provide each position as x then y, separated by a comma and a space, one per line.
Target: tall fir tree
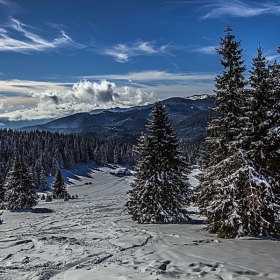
258, 116
2, 189
260, 199
218, 195
58, 186
160, 190
229, 99
273, 137
20, 191
43, 183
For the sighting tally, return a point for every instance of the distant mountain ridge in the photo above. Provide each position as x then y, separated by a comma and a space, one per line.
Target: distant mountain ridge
189, 117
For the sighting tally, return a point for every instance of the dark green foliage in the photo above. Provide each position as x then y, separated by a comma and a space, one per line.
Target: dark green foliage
43, 151
20, 190
272, 139
43, 180
261, 122
215, 194
43, 197
58, 186
48, 198
239, 188
159, 192
2, 189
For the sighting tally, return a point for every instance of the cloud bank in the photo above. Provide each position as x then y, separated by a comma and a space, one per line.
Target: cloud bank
84, 96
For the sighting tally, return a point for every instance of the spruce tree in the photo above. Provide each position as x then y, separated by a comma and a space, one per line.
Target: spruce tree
58, 186
259, 200
218, 195
43, 181
273, 136
259, 114
159, 192
275, 99
20, 191
2, 189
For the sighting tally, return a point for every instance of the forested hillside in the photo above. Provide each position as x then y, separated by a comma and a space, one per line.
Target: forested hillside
45, 152
189, 117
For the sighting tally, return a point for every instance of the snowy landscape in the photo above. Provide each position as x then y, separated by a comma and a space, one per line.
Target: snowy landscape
92, 237
138, 143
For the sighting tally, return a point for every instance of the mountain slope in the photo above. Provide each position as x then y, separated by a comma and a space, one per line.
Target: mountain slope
189, 118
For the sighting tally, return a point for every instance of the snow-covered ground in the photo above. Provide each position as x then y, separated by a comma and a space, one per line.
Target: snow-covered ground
92, 237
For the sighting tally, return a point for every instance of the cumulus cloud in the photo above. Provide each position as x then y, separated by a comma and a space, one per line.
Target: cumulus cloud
84, 96
45, 100
165, 84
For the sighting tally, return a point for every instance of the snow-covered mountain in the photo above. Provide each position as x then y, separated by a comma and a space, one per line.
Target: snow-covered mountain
188, 115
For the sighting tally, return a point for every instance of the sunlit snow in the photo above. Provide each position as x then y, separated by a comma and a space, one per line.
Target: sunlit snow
93, 237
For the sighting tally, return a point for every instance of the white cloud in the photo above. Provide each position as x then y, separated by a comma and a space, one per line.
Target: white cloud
23, 87
272, 58
156, 76
84, 96
30, 41
11, 6
165, 84
238, 8
55, 100
124, 52
207, 50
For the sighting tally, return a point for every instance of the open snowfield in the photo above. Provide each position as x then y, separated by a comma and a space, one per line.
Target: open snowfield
92, 237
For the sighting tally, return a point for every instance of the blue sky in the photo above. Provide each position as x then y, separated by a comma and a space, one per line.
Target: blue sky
59, 57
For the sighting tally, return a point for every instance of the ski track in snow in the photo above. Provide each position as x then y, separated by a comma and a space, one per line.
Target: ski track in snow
92, 237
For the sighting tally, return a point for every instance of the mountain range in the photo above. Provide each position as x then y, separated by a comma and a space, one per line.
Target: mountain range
189, 118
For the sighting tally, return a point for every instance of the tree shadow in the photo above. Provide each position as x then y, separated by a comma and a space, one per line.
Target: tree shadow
41, 210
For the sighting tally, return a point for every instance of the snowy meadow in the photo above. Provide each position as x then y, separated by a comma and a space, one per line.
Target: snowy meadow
92, 237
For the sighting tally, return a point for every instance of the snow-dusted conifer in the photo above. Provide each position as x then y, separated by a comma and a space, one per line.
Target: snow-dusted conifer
239, 189
159, 192
43, 180
2, 189
260, 112
273, 136
58, 186
217, 194
48, 198
258, 191
20, 190
274, 117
